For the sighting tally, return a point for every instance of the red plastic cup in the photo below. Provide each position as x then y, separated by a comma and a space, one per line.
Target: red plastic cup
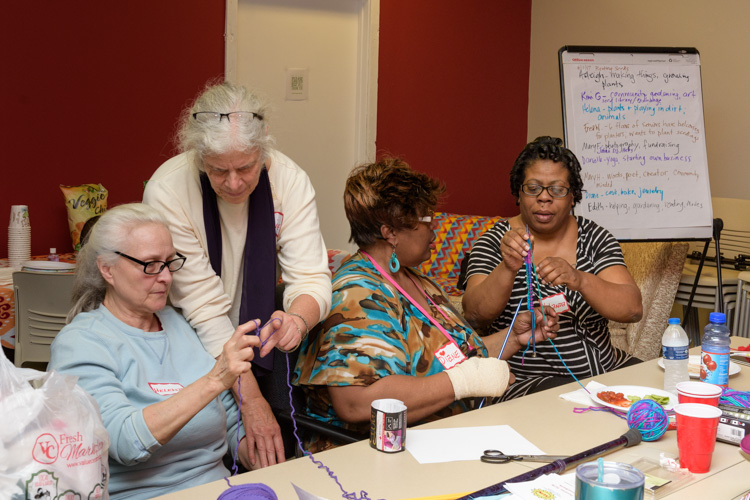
696, 435
698, 392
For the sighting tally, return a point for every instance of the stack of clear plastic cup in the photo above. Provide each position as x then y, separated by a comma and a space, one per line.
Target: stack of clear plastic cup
19, 236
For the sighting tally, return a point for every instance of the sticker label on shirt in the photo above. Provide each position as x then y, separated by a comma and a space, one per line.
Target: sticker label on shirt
557, 302
165, 388
449, 355
278, 218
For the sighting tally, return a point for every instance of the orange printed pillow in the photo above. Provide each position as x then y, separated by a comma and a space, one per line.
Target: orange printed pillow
83, 202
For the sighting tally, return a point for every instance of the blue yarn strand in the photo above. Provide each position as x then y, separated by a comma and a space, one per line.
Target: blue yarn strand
507, 336
566, 366
530, 300
510, 328
539, 293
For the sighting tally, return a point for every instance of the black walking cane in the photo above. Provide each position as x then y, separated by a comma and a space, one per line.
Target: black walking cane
630, 438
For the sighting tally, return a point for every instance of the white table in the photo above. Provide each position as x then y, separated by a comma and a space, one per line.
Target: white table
543, 418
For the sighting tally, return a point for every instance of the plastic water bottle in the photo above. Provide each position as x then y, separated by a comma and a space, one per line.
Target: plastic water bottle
715, 350
674, 348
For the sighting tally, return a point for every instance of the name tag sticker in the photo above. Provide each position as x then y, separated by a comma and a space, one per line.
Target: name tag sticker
449, 355
165, 389
557, 302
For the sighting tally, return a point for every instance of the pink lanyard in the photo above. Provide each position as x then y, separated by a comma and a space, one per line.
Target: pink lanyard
415, 303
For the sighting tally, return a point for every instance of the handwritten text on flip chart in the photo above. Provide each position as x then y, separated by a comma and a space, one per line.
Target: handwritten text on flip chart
637, 130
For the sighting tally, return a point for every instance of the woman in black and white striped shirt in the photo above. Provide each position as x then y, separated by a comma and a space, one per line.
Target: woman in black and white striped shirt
581, 271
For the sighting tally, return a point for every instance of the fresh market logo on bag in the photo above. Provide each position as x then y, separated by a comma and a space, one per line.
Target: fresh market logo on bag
70, 448
165, 389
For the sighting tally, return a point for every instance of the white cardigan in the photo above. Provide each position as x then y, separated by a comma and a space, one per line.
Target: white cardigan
209, 303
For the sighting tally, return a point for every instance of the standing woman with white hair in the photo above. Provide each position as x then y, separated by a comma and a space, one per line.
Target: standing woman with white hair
164, 401
244, 215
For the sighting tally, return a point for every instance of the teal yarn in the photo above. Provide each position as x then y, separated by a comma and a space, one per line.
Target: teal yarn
736, 398
649, 418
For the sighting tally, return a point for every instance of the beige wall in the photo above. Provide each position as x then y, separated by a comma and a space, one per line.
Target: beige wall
323, 133
718, 29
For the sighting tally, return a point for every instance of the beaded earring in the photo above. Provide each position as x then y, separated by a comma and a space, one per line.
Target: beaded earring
394, 265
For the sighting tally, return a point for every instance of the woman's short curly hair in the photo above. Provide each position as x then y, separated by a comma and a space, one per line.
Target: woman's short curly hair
547, 148
389, 193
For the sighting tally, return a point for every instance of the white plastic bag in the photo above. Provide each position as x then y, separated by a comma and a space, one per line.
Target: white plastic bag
53, 444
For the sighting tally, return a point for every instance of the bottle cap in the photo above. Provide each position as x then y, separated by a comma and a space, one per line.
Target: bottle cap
717, 317
53, 250
674, 321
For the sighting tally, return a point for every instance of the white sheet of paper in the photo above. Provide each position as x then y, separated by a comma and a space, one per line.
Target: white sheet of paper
305, 495
466, 443
549, 486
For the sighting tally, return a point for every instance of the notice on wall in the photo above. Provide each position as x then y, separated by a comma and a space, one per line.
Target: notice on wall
635, 122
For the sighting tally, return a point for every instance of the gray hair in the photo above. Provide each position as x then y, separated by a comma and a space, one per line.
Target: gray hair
110, 233
216, 138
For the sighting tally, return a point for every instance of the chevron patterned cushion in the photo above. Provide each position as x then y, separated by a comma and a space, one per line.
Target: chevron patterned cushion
455, 236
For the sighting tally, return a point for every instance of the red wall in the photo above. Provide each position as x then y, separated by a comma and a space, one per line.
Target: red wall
91, 93
453, 89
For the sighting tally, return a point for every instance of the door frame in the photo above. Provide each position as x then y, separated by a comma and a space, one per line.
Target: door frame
367, 72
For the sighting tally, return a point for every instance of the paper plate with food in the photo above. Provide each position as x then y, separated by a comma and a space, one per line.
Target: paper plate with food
694, 366
622, 397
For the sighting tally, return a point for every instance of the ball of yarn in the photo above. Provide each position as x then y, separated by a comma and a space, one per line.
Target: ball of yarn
649, 418
251, 491
736, 398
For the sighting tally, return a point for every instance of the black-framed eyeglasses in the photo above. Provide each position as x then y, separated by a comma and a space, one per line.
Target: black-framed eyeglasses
555, 191
157, 266
213, 116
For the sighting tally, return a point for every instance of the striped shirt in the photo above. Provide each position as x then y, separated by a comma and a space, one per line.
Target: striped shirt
583, 339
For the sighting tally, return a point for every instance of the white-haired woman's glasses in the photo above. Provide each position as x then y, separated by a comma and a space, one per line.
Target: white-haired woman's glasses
214, 117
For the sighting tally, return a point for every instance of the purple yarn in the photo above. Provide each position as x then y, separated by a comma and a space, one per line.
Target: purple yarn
736, 398
617, 413
321, 465
260, 490
254, 491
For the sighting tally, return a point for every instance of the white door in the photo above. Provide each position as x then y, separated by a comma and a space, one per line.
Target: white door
333, 129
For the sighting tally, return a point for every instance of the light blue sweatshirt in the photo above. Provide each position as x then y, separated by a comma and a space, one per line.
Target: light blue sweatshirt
125, 370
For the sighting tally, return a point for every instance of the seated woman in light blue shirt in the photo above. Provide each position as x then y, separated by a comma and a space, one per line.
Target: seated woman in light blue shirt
163, 399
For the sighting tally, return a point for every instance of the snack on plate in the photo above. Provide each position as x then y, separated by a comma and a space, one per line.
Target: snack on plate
614, 398
662, 400
620, 399
83, 202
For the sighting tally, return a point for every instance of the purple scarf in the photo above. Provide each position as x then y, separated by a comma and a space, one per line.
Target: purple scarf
259, 264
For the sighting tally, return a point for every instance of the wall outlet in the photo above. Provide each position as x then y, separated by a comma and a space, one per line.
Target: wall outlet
297, 82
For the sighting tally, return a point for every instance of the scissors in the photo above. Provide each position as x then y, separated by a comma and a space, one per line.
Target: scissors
498, 457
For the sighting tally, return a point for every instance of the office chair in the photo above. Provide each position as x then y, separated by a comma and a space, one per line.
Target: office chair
42, 304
